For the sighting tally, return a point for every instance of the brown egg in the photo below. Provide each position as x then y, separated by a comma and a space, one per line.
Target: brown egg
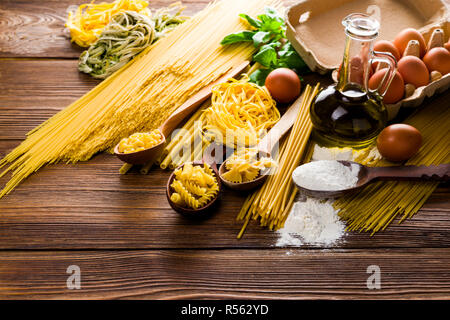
387, 46
396, 89
402, 39
414, 71
438, 59
399, 142
447, 45
284, 85
357, 70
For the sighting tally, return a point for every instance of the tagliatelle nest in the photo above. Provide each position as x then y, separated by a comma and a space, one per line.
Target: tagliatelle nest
241, 112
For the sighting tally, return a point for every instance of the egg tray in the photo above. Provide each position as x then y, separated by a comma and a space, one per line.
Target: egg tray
315, 30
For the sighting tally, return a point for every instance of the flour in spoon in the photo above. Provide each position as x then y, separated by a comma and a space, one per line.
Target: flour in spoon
326, 175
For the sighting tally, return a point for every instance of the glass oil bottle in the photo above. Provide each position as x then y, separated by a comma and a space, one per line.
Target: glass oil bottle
349, 113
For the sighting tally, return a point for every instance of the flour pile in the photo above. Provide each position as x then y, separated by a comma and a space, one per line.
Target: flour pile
312, 221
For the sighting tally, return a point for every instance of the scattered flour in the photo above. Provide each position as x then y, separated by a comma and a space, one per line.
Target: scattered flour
323, 153
312, 221
369, 155
327, 175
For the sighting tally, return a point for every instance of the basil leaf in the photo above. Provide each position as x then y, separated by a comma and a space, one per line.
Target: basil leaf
274, 44
238, 37
271, 25
273, 14
260, 38
259, 76
253, 22
289, 58
267, 56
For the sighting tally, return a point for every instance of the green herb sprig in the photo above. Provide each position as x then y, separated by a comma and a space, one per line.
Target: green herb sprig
268, 34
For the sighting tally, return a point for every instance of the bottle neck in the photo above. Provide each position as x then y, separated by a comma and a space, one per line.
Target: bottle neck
355, 67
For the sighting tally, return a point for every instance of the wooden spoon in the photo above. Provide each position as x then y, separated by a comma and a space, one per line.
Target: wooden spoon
265, 147
150, 154
367, 175
208, 158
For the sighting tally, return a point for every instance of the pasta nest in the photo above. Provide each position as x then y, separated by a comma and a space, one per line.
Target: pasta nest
87, 22
240, 114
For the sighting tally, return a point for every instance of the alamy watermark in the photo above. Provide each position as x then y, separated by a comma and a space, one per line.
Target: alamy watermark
74, 280
374, 280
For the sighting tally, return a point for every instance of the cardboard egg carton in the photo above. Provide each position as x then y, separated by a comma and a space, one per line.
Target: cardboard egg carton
315, 30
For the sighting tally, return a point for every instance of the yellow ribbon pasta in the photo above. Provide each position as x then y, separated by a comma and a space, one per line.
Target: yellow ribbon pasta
241, 112
87, 22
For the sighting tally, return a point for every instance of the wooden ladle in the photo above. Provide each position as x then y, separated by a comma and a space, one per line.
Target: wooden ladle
367, 175
150, 154
265, 147
208, 158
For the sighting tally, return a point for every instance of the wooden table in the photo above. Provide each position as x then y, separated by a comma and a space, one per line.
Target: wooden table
125, 238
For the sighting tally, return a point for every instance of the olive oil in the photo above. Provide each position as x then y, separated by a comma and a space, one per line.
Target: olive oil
347, 118
349, 113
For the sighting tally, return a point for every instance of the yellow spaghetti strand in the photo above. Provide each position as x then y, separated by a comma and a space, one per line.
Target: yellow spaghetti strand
139, 96
272, 203
376, 206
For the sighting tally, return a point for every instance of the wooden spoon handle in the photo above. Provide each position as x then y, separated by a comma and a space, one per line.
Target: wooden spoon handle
191, 104
280, 128
431, 173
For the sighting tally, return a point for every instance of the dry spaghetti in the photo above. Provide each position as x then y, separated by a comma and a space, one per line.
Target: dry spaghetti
139, 96
272, 203
376, 206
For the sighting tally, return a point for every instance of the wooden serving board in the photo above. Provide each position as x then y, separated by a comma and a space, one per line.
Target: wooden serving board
89, 215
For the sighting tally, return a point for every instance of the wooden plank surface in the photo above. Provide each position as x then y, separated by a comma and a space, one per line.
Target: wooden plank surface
225, 274
36, 28
90, 205
137, 246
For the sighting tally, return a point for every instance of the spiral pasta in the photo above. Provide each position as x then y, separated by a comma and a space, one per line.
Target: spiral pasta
187, 198
194, 186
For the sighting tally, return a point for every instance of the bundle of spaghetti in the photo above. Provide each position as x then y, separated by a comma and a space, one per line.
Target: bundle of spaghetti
186, 144
271, 204
376, 206
87, 21
240, 111
139, 96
